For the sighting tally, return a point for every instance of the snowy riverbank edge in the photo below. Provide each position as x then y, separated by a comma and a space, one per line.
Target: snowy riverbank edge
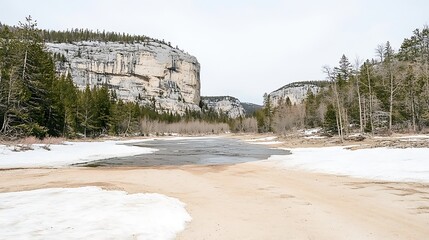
69, 153
96, 213
379, 163
386, 164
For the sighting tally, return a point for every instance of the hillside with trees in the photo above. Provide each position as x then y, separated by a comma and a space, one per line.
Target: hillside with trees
35, 101
386, 94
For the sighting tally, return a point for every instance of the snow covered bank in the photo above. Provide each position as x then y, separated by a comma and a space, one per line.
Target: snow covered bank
409, 164
264, 141
89, 213
68, 153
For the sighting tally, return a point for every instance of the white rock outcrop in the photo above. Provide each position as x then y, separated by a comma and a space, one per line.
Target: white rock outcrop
296, 92
230, 106
148, 72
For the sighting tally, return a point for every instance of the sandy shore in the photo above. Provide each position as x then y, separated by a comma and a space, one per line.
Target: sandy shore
258, 200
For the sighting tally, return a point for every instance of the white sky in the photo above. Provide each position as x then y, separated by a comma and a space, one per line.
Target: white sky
245, 47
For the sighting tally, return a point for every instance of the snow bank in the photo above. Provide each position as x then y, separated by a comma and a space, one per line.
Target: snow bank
69, 153
409, 164
261, 139
266, 143
89, 213
314, 137
312, 131
406, 138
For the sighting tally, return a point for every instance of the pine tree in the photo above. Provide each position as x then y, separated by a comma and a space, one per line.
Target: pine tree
86, 113
330, 121
102, 106
310, 110
27, 90
268, 114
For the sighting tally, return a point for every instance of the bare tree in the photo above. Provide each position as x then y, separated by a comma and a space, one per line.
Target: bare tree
288, 117
368, 76
331, 77
390, 65
356, 77
148, 126
379, 51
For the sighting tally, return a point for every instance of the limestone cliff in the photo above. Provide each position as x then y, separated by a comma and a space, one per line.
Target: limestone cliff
145, 72
230, 106
296, 92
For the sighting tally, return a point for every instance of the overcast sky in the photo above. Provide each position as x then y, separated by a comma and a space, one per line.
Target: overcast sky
245, 47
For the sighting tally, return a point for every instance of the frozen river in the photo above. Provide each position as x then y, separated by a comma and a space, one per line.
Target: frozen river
200, 151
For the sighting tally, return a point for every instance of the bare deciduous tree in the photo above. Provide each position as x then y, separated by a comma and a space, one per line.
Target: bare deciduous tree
331, 77
356, 78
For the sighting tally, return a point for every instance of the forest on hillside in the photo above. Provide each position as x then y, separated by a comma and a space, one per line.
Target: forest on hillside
35, 101
386, 94
80, 34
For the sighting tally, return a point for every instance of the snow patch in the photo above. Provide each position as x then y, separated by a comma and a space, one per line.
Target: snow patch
69, 153
266, 143
408, 165
415, 137
312, 131
314, 137
261, 139
89, 213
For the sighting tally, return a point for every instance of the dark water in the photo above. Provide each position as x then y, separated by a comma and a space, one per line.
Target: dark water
199, 151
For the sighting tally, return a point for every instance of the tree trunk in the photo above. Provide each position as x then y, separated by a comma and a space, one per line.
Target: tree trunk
370, 100
25, 65
86, 122
5, 125
413, 113
364, 112
346, 122
65, 123
391, 102
338, 125
339, 109
360, 106
413, 107
128, 124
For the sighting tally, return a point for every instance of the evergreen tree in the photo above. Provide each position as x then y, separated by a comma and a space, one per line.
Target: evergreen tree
102, 107
330, 121
311, 105
268, 114
87, 111
30, 74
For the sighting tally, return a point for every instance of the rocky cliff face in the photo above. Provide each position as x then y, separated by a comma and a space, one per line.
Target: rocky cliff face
225, 104
144, 72
296, 92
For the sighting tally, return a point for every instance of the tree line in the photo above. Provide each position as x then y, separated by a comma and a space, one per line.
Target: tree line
81, 34
35, 101
386, 94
